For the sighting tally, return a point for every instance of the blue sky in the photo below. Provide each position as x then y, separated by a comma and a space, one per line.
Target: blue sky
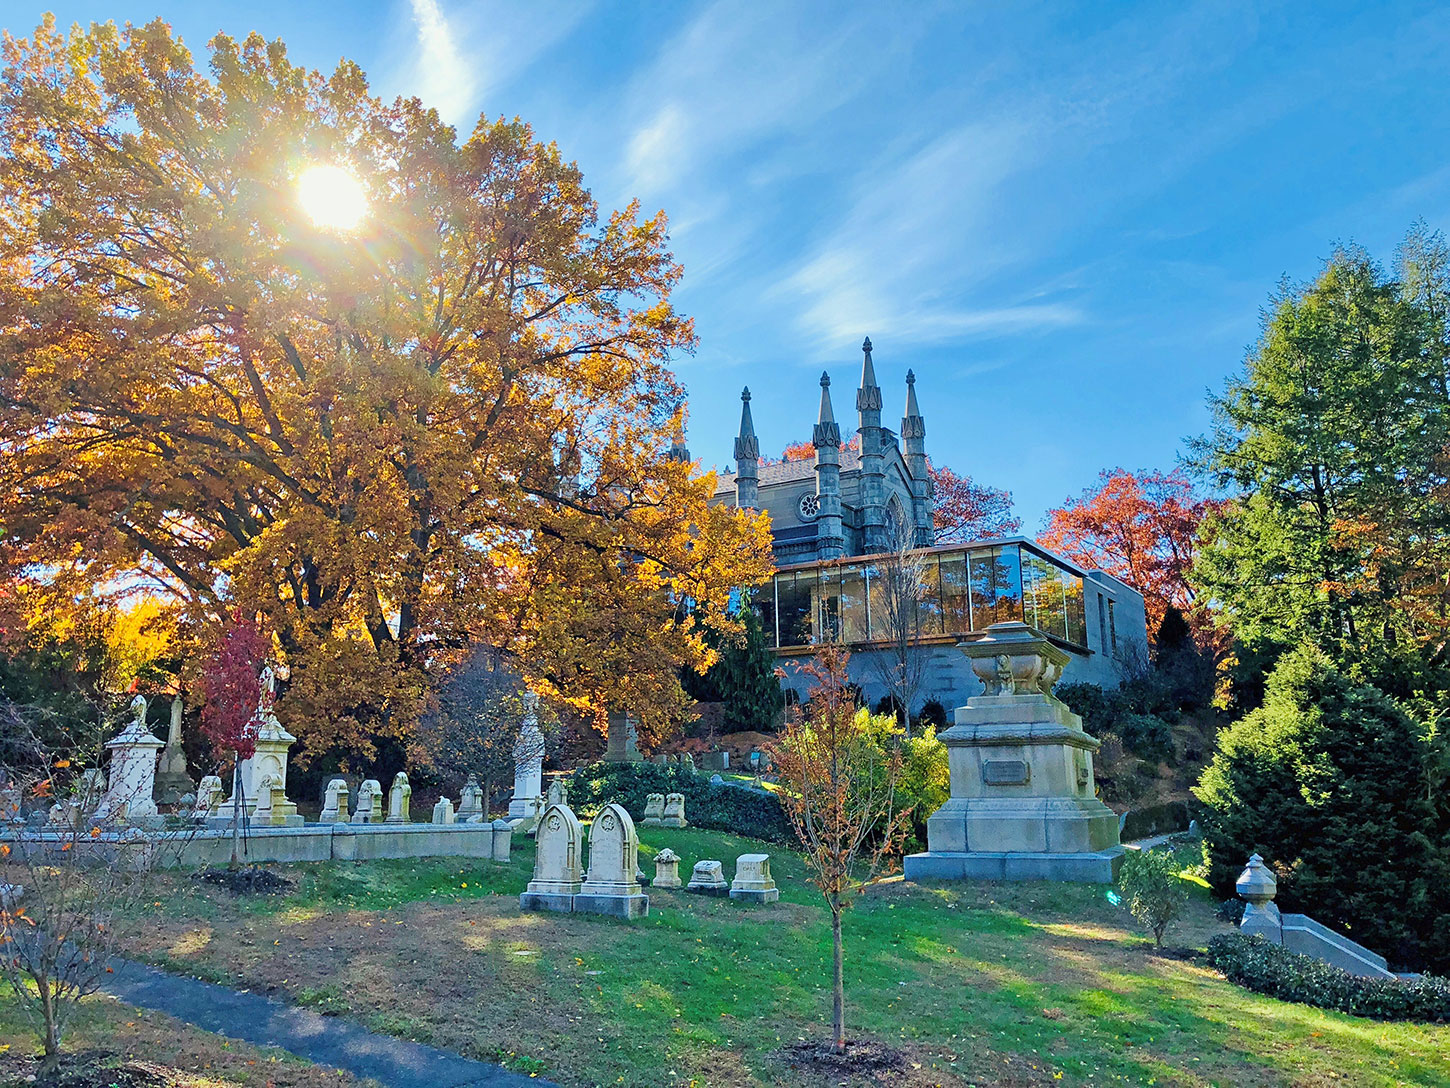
1065, 218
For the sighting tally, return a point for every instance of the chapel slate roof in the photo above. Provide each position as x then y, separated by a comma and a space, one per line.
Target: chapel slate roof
785, 472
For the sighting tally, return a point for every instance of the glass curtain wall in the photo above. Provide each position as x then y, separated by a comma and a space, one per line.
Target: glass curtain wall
962, 591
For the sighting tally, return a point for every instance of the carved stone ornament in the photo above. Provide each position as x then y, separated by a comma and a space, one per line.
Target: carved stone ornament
1013, 659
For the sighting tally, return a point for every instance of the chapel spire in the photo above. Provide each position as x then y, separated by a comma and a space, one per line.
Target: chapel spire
826, 437
913, 434
747, 458
872, 494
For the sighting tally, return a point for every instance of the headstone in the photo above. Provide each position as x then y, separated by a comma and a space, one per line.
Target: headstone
443, 811
528, 801
622, 745
208, 797
688, 762
708, 879
753, 882
400, 799
133, 772
334, 803
610, 886
65, 815
674, 812
92, 789
369, 803
470, 800
558, 862
667, 869
1023, 805
262, 813
654, 809
172, 780
503, 836
559, 792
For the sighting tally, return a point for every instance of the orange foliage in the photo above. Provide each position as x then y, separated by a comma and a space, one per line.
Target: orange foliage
451, 424
1142, 529
965, 510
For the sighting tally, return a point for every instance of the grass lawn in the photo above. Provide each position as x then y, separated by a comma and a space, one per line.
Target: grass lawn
986, 984
107, 1034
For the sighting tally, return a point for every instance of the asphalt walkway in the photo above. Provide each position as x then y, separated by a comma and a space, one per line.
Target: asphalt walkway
324, 1040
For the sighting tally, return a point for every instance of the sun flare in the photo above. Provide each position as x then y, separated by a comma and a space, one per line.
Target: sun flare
332, 197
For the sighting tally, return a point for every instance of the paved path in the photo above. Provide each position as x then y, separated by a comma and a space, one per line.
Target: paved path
326, 1040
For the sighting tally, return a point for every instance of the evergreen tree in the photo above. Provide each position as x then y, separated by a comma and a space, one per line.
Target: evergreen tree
746, 679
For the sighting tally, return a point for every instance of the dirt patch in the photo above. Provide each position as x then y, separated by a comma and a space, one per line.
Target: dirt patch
866, 1062
98, 1069
249, 880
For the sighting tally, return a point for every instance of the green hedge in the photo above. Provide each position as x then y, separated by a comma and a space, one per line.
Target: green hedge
744, 811
1265, 968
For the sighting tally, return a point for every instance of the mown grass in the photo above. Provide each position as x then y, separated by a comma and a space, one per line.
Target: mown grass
980, 984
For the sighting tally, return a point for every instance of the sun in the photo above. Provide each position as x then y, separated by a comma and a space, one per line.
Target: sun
332, 197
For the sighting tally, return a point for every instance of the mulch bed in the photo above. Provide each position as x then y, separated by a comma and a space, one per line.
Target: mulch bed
249, 880
97, 1069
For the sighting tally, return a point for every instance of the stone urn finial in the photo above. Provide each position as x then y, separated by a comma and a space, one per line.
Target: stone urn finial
1257, 887
1013, 659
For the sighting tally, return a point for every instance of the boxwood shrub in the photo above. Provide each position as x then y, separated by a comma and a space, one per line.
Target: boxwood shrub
1266, 968
739, 809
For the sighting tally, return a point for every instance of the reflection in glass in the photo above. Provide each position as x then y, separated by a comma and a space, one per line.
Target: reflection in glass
853, 604
1076, 613
956, 612
764, 603
794, 607
828, 622
996, 586
929, 605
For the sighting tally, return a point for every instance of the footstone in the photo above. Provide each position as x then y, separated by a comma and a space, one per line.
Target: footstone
674, 811
654, 809
708, 878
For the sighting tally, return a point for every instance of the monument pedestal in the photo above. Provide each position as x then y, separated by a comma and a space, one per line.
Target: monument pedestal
1023, 804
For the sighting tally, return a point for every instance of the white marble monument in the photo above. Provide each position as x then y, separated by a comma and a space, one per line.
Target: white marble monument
558, 862
753, 882
667, 869
334, 803
674, 812
708, 878
470, 800
443, 811
654, 810
528, 799
610, 886
128, 798
400, 800
369, 808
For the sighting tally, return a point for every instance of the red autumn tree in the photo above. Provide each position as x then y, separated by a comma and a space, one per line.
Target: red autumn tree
1141, 528
965, 510
798, 451
233, 694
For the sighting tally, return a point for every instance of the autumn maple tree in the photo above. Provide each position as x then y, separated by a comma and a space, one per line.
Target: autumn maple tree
964, 510
1141, 528
446, 425
233, 698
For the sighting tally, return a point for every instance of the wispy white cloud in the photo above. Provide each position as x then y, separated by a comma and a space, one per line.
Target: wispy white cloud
463, 51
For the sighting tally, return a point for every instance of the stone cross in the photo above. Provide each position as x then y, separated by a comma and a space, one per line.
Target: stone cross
654, 809
369, 803
399, 799
558, 862
753, 882
610, 886
708, 879
334, 803
443, 811
667, 869
674, 811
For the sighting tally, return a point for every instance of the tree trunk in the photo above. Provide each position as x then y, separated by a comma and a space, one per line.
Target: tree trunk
838, 984
51, 1061
239, 805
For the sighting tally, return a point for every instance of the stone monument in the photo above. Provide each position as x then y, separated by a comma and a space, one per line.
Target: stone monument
674, 814
268, 758
708, 878
470, 800
208, 797
334, 803
369, 803
667, 869
133, 772
503, 839
91, 790
172, 780
400, 797
443, 811
528, 801
1023, 804
753, 882
610, 886
557, 862
654, 810
622, 745
558, 792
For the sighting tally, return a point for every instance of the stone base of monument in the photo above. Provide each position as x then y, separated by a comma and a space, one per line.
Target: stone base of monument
1096, 868
632, 905
755, 895
171, 787
561, 902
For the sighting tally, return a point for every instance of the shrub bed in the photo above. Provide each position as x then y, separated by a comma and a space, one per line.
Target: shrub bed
744, 811
1255, 964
